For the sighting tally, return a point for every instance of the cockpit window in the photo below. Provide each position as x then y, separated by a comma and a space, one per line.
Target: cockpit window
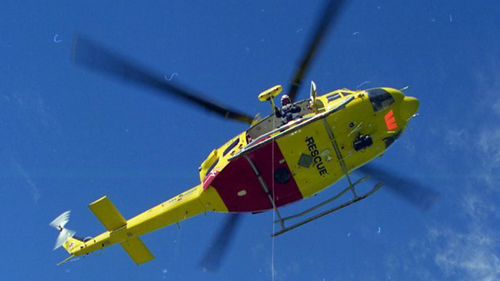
380, 99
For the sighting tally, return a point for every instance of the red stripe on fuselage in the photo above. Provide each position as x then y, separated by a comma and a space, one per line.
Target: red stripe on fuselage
238, 175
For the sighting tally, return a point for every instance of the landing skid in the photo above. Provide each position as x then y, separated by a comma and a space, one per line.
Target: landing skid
356, 198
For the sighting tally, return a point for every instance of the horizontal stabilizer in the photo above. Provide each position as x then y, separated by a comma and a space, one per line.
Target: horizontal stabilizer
137, 250
66, 260
107, 213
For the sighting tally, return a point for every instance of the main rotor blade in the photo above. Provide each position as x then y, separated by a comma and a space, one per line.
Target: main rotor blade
97, 58
331, 13
215, 254
412, 192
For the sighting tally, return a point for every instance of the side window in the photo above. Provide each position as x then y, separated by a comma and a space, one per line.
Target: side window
212, 166
231, 146
333, 97
380, 99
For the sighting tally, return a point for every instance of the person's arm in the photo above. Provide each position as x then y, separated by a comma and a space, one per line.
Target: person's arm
296, 109
278, 112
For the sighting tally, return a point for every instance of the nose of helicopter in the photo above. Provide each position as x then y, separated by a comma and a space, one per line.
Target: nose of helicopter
409, 107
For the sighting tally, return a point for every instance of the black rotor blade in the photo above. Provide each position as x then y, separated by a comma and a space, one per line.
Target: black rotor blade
412, 192
215, 254
97, 58
330, 13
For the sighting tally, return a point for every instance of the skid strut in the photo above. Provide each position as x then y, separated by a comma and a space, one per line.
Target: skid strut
266, 190
324, 213
339, 156
324, 202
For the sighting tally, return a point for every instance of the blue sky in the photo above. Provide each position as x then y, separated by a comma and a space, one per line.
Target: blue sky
68, 136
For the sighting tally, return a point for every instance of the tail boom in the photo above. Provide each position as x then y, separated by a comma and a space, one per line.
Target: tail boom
183, 206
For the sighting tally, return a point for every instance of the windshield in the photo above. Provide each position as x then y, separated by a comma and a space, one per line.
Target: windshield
380, 98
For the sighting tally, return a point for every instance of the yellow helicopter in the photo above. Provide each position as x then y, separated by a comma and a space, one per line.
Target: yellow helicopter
271, 164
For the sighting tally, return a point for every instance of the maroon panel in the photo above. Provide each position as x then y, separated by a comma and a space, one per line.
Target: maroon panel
238, 175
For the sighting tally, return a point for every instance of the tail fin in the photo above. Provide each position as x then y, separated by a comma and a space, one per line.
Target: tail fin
72, 244
66, 236
64, 233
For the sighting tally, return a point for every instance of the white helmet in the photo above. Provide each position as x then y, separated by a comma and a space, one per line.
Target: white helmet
285, 99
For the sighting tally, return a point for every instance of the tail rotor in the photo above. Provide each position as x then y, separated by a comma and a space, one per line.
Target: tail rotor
64, 233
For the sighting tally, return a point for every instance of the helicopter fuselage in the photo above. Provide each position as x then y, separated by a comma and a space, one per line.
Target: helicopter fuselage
301, 162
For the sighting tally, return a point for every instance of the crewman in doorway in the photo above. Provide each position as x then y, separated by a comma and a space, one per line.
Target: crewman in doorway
288, 111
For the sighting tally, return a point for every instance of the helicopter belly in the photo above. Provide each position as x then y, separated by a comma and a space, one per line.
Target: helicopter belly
241, 190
